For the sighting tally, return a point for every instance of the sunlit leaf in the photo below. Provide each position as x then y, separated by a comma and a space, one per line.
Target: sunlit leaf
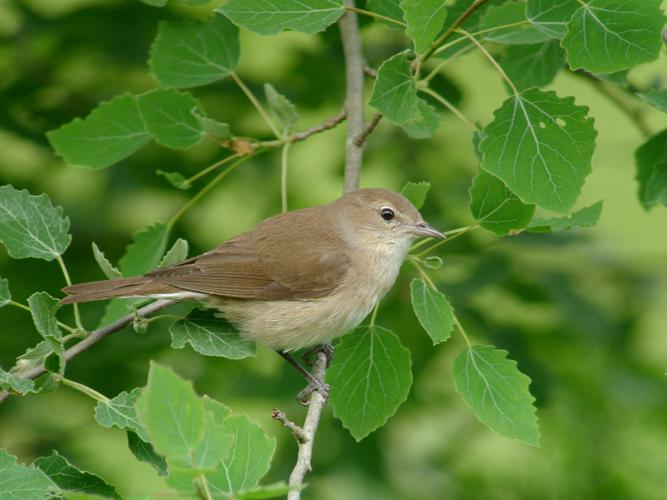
495, 207
210, 335
169, 118
268, 17
416, 192
586, 217
651, 159
497, 392
605, 36
186, 54
514, 14
111, 132
30, 226
395, 91
370, 378
433, 311
120, 412
71, 479
177, 253
424, 19
533, 65
540, 146
23, 482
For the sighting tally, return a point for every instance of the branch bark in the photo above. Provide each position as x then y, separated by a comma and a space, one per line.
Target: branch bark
95, 336
354, 100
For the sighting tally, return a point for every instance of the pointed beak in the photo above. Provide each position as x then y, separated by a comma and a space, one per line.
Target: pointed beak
423, 229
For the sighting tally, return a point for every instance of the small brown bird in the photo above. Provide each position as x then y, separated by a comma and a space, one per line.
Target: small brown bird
295, 280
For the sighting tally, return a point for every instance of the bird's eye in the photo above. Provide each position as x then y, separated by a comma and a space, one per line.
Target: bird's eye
387, 214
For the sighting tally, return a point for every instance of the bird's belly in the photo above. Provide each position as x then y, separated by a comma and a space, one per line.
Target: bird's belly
294, 324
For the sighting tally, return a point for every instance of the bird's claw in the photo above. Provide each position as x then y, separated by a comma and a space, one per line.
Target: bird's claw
304, 396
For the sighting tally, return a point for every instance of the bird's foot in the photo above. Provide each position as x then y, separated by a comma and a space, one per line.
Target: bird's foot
310, 356
304, 396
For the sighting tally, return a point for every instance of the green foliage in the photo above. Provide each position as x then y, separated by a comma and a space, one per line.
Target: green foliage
540, 145
43, 308
497, 392
144, 452
657, 98
109, 270
169, 117
605, 36
533, 65
177, 253
146, 250
495, 207
651, 160
283, 109
370, 377
70, 479
210, 335
586, 217
387, 8
15, 383
5, 295
120, 412
551, 16
433, 311
30, 226
268, 17
416, 192
512, 15
21, 482
194, 54
424, 21
111, 132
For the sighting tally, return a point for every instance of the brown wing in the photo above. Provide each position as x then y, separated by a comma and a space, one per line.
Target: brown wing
294, 257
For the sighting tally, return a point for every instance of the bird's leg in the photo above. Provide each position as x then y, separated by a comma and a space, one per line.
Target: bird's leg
310, 355
314, 384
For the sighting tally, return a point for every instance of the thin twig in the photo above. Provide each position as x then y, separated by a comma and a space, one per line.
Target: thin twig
68, 281
360, 140
327, 124
375, 15
297, 431
354, 101
95, 336
317, 403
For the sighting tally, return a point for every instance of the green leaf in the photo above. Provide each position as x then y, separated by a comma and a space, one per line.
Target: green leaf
533, 65
214, 128
43, 308
506, 14
433, 311
171, 412
425, 123
72, 479
175, 179
395, 92
177, 253
387, 8
540, 146
657, 98
605, 36
219, 410
169, 118
111, 132
210, 335
497, 392
5, 295
279, 489
22, 482
370, 378
495, 207
416, 192
15, 383
155, 3
55, 362
651, 159
109, 270
269, 17
120, 412
146, 250
249, 460
34, 356
425, 19
586, 217
145, 452
186, 54
30, 226
551, 16
282, 107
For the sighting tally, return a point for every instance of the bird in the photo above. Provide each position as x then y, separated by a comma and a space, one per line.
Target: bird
295, 280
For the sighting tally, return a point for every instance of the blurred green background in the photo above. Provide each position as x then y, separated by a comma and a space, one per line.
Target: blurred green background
584, 313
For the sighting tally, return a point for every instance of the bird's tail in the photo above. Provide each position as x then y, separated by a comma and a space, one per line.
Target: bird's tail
121, 287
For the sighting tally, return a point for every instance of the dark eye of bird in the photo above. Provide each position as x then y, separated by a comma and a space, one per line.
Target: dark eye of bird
387, 213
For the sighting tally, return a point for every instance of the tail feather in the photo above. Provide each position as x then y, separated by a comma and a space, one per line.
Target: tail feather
109, 289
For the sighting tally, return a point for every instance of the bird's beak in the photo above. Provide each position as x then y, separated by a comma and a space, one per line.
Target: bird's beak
423, 229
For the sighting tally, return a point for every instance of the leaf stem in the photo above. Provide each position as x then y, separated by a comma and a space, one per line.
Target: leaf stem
83, 389
212, 167
68, 280
374, 315
491, 60
457, 112
257, 104
283, 175
463, 332
375, 15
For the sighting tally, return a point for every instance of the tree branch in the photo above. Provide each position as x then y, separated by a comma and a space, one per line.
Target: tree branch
95, 336
354, 101
360, 140
317, 403
325, 125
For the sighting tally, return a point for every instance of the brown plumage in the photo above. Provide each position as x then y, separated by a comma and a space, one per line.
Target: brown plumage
295, 279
